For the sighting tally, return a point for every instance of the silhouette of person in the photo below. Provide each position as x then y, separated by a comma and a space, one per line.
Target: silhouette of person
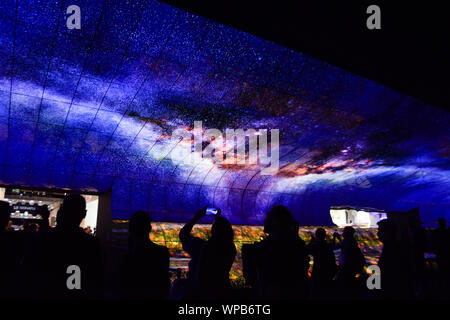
145, 270
324, 266
11, 250
44, 225
211, 259
32, 227
418, 245
395, 282
65, 262
351, 260
25, 226
282, 259
441, 247
178, 288
5, 213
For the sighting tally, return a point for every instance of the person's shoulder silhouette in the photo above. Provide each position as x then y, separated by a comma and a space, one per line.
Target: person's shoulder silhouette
441, 239
396, 283
11, 250
53, 254
282, 258
352, 259
217, 255
211, 259
145, 269
324, 266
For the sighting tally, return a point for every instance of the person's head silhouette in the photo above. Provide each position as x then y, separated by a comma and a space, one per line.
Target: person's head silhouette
4, 215
348, 233
320, 234
140, 225
221, 230
279, 221
44, 212
386, 231
72, 211
442, 223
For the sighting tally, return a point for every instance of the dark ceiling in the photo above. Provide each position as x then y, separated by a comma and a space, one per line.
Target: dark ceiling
409, 54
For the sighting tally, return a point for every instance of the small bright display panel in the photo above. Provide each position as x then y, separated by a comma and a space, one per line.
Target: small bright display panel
357, 217
94, 109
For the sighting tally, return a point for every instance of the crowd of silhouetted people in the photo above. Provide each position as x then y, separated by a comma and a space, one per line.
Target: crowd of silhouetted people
67, 262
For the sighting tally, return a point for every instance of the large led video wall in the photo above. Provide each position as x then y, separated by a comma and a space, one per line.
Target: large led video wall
95, 108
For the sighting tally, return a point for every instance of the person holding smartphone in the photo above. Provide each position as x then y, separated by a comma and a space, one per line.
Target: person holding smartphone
211, 259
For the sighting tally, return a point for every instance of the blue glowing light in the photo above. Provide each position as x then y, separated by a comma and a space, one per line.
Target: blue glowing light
94, 108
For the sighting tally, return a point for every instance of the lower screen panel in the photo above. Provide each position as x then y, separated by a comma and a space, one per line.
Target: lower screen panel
166, 234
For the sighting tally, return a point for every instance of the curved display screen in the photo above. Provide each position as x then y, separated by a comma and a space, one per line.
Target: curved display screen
114, 105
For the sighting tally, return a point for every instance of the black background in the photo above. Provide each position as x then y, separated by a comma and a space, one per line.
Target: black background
409, 54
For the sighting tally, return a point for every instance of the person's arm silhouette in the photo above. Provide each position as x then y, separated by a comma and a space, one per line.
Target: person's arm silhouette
187, 240
188, 227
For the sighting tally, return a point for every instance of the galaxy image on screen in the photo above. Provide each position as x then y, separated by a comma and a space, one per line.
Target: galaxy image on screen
94, 110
